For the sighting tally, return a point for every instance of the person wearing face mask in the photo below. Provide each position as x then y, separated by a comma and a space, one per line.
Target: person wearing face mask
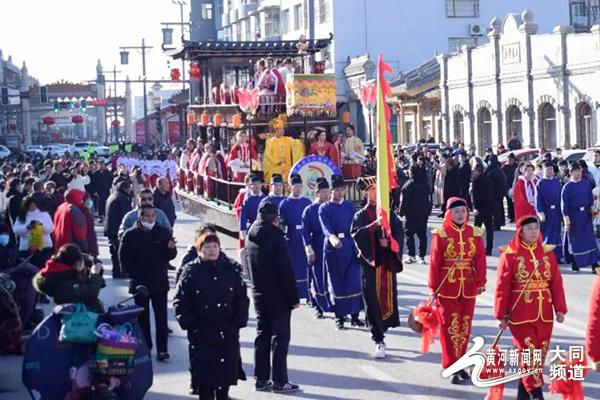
144, 253
33, 228
66, 279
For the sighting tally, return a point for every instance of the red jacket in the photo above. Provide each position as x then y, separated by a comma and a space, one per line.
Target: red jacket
592, 335
70, 224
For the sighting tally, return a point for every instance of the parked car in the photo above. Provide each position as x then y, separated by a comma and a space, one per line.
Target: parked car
80, 147
4, 152
521, 155
568, 155
58, 149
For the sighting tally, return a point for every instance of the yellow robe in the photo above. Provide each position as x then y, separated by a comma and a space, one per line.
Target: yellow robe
278, 149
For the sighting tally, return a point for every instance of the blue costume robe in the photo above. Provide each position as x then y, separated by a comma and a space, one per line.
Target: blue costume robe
249, 210
345, 284
580, 242
273, 199
312, 235
290, 216
547, 202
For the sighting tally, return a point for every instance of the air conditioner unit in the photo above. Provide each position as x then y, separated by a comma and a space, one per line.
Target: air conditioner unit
476, 30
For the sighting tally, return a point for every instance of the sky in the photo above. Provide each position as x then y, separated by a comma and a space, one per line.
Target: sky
64, 39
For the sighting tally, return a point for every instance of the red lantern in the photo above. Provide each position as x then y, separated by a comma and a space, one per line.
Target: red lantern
204, 118
77, 119
195, 72
218, 119
116, 123
48, 121
175, 74
12, 127
236, 121
191, 118
346, 117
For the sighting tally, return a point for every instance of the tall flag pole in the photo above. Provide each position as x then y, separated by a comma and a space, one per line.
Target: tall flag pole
386, 170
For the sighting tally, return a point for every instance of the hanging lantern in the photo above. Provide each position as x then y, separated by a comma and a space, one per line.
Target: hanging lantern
204, 118
77, 119
346, 117
195, 72
218, 119
191, 118
12, 127
48, 121
236, 121
175, 74
115, 123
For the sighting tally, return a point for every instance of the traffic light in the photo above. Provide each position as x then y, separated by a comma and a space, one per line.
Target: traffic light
43, 94
56, 107
83, 105
71, 106
4, 96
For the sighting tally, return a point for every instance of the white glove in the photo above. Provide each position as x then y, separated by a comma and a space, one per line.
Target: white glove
243, 235
542, 217
309, 251
335, 241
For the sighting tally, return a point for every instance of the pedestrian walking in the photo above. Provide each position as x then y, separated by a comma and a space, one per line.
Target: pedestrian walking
163, 199
117, 205
547, 206
70, 225
415, 206
482, 200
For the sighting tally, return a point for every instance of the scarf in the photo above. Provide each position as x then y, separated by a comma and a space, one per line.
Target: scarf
529, 188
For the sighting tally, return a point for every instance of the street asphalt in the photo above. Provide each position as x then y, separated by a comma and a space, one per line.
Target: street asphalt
337, 365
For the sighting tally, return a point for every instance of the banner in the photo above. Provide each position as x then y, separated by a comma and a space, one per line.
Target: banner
311, 95
312, 167
174, 130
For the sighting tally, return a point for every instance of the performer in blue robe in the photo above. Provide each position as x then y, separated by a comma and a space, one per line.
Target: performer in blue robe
312, 234
290, 217
580, 246
547, 207
341, 260
276, 196
249, 209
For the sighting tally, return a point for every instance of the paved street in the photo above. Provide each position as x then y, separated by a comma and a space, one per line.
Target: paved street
333, 365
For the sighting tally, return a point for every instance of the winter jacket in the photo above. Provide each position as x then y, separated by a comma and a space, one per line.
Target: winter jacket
163, 201
70, 225
415, 201
117, 205
20, 228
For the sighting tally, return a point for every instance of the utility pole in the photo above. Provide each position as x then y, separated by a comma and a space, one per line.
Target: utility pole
116, 127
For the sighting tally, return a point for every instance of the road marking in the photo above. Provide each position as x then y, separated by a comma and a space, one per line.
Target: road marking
488, 300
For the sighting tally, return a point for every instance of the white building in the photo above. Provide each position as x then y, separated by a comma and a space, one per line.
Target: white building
543, 88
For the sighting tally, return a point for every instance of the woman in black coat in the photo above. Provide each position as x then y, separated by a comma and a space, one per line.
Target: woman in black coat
211, 304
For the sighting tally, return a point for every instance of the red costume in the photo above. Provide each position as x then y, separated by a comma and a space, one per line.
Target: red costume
325, 149
592, 335
70, 223
524, 197
458, 256
238, 160
530, 318
211, 165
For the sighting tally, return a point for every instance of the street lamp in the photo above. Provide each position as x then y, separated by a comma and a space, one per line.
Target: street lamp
124, 57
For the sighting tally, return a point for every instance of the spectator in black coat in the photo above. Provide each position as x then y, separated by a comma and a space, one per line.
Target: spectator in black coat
481, 192
59, 177
514, 143
211, 302
14, 197
102, 182
42, 200
509, 170
499, 190
117, 205
464, 169
452, 182
163, 199
275, 296
416, 207
144, 253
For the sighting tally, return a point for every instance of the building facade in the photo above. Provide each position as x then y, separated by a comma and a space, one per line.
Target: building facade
542, 88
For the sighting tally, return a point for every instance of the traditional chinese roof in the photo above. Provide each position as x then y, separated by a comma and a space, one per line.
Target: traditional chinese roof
421, 79
216, 48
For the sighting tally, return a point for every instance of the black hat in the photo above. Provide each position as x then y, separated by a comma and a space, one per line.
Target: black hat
366, 183
337, 181
255, 179
548, 156
276, 178
574, 166
295, 179
512, 156
322, 183
267, 208
457, 203
528, 220
489, 150
548, 164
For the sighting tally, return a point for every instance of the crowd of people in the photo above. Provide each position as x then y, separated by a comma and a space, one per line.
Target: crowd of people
325, 252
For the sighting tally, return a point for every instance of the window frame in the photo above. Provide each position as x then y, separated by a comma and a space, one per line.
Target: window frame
284, 20
298, 17
451, 12
206, 11
323, 11
463, 39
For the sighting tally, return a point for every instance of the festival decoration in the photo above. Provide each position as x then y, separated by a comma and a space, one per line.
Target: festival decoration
195, 72
218, 119
77, 119
312, 167
236, 120
248, 100
49, 121
311, 95
175, 74
346, 117
191, 118
204, 118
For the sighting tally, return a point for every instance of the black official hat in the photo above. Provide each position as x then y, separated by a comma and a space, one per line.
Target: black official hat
366, 183
267, 208
337, 181
295, 179
322, 183
276, 178
255, 179
548, 164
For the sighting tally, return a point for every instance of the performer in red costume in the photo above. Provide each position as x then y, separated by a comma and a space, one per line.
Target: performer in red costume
458, 268
528, 266
238, 159
322, 147
524, 193
592, 335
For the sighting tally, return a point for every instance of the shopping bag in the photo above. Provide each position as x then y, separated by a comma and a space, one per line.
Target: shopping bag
79, 326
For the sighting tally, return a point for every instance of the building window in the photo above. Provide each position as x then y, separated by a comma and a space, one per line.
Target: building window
323, 11
462, 8
227, 33
206, 11
238, 31
584, 13
248, 31
272, 22
285, 21
297, 17
454, 44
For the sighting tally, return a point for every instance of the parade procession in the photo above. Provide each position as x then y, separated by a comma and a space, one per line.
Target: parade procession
309, 206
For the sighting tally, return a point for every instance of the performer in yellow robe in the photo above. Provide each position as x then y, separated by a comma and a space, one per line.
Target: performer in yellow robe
278, 157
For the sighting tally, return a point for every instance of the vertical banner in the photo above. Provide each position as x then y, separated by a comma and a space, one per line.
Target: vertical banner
174, 131
139, 132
